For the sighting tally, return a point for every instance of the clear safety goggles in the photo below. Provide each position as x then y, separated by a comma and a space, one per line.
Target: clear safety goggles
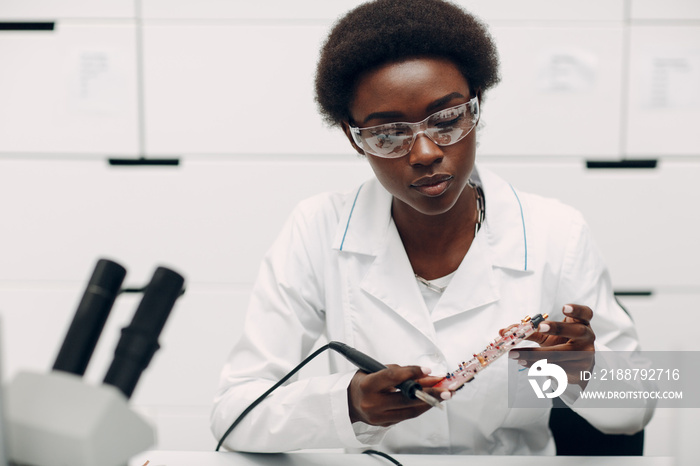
444, 128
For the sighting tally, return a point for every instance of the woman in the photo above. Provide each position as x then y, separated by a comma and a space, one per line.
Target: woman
419, 267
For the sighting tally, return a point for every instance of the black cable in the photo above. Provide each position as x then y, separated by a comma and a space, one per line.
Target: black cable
383, 455
264, 395
351, 354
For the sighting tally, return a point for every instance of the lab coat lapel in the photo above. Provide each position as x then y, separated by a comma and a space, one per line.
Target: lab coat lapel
390, 280
366, 227
500, 244
472, 286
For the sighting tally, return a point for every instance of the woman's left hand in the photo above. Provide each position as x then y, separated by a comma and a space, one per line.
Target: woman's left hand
568, 343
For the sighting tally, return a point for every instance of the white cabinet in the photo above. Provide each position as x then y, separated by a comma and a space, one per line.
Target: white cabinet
666, 10
663, 104
33, 10
230, 88
663, 319
233, 87
242, 9
546, 10
71, 91
210, 221
644, 221
560, 93
533, 10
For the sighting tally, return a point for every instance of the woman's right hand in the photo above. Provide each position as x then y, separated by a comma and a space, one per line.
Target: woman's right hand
375, 400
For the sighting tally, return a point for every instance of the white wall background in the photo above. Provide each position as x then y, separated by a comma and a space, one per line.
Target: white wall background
225, 86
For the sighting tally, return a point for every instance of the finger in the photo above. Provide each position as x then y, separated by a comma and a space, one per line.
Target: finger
440, 394
539, 337
429, 381
393, 375
582, 314
569, 330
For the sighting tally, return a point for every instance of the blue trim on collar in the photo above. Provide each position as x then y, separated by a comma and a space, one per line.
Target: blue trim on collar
350, 216
522, 217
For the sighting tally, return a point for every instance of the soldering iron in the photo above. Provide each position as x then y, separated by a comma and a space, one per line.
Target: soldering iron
409, 388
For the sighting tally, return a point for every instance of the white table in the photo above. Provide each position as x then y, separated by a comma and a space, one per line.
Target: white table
199, 458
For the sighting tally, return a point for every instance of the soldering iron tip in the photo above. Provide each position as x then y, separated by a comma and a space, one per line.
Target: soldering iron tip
432, 401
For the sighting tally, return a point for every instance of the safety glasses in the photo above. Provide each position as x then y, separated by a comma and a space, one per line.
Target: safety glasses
444, 128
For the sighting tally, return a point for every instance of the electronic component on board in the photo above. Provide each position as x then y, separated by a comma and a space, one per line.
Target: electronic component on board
500, 346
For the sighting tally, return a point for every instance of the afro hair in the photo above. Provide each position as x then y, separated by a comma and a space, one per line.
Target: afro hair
386, 31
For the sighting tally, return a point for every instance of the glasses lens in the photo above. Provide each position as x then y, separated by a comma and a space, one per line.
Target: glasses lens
451, 125
392, 140
445, 127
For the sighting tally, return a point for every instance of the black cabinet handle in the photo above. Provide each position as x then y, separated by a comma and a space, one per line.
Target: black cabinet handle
621, 164
27, 25
143, 162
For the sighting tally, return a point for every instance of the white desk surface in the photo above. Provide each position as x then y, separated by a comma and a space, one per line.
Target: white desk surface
202, 458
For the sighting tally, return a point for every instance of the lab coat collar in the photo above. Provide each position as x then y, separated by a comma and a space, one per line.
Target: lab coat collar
366, 227
365, 222
507, 227
501, 242
390, 279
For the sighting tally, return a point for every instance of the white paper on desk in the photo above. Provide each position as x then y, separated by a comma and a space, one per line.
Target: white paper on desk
567, 70
669, 78
96, 82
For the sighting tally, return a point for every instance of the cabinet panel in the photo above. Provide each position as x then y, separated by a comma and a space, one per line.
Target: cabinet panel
663, 107
546, 10
661, 320
52, 10
234, 89
547, 104
668, 10
643, 220
555, 81
533, 10
211, 221
262, 9
69, 91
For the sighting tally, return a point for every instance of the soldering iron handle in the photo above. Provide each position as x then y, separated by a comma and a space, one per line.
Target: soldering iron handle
358, 358
367, 364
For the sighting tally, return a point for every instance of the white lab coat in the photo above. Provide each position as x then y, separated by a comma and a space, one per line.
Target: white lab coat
339, 269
